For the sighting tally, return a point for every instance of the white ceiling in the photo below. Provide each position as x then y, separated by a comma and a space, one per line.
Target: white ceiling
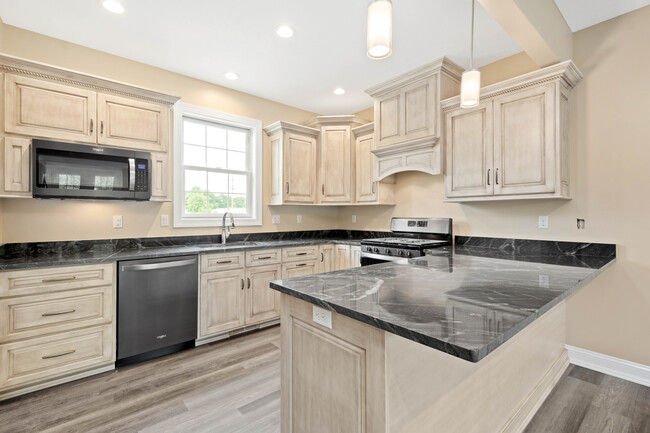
206, 38
580, 14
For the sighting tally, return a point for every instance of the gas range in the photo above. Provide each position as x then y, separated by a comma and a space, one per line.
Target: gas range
412, 236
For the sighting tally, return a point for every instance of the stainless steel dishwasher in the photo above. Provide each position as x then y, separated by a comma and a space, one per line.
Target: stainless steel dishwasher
157, 302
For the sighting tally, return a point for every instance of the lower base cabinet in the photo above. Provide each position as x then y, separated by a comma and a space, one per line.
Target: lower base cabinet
222, 301
262, 303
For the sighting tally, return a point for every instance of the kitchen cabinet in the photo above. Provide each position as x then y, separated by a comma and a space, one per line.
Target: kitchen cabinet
222, 302
514, 144
16, 167
335, 164
342, 256
160, 177
327, 261
262, 303
369, 190
408, 119
294, 170
355, 256
299, 269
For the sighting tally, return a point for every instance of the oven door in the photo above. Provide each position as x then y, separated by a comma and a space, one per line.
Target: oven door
373, 259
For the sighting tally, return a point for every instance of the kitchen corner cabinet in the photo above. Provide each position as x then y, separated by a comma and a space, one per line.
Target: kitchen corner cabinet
514, 144
294, 157
327, 259
369, 190
342, 257
15, 167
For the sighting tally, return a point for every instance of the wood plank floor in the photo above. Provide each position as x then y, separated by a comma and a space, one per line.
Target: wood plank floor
233, 386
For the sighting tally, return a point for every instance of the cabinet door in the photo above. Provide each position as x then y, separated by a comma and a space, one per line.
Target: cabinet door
300, 168
160, 176
342, 257
355, 257
335, 164
327, 259
262, 303
16, 165
468, 137
299, 269
45, 109
366, 186
524, 143
222, 302
131, 123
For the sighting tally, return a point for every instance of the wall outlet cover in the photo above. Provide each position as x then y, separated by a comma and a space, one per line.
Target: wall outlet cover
299, 219
544, 281
542, 222
276, 219
354, 219
322, 317
164, 220
117, 221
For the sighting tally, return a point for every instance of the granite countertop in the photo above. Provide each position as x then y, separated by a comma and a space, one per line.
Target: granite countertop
462, 300
48, 254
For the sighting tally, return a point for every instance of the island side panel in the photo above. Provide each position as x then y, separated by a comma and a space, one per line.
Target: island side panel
429, 390
332, 379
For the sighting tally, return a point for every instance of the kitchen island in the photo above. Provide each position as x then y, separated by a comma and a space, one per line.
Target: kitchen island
466, 339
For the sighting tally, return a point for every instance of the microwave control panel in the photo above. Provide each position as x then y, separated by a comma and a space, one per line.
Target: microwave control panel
141, 175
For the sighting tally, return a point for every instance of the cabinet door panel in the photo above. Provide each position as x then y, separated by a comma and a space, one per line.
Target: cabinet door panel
388, 118
355, 256
335, 164
16, 165
327, 259
365, 172
417, 109
342, 257
222, 302
300, 169
160, 177
45, 109
468, 137
262, 303
130, 123
524, 142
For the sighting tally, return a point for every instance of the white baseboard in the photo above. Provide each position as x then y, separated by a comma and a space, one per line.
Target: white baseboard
628, 370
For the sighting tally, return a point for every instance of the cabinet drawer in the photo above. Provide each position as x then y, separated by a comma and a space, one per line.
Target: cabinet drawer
222, 262
43, 358
43, 280
292, 254
263, 257
30, 316
299, 269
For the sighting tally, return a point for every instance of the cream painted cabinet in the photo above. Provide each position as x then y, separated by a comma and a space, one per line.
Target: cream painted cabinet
160, 177
342, 257
125, 122
335, 165
47, 109
327, 259
294, 156
514, 145
355, 256
262, 303
369, 190
16, 166
299, 269
222, 302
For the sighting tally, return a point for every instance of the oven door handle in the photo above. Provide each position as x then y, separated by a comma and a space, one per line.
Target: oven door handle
131, 174
385, 258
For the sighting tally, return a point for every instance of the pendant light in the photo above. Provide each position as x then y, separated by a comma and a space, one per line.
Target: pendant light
380, 29
470, 84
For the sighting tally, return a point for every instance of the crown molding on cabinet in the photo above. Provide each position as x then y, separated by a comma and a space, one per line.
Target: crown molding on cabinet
348, 119
17, 65
566, 71
368, 128
287, 126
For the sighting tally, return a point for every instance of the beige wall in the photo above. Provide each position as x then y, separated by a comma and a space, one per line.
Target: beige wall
31, 220
610, 151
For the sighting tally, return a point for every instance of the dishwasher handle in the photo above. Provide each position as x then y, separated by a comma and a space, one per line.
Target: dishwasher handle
162, 265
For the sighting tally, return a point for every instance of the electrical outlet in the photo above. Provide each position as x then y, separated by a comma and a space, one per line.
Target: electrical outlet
276, 219
299, 219
543, 281
117, 221
581, 224
354, 219
164, 220
322, 316
542, 222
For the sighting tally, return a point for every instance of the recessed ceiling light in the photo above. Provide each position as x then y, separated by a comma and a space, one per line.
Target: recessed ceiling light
231, 76
339, 91
284, 31
113, 6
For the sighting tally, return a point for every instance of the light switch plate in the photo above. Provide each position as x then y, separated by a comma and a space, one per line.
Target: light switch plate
276, 219
542, 222
117, 221
322, 317
544, 281
164, 220
354, 219
299, 219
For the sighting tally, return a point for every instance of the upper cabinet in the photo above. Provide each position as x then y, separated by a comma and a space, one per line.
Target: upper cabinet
514, 144
369, 190
408, 119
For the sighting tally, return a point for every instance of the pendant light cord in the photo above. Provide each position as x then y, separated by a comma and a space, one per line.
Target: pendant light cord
471, 45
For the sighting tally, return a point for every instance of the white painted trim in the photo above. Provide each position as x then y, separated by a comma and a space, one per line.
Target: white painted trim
617, 367
202, 113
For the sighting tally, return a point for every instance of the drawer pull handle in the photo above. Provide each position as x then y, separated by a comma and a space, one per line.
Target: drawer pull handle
91, 126
301, 254
301, 264
242, 284
58, 280
249, 282
69, 352
263, 258
223, 262
58, 313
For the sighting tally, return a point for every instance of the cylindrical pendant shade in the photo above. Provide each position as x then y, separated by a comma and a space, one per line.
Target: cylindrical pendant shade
380, 29
470, 88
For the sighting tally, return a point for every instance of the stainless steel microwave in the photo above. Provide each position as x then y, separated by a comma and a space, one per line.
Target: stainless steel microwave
67, 170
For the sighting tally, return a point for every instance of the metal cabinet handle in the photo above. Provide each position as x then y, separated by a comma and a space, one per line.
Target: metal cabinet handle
249, 282
323, 189
287, 187
301, 264
91, 126
242, 284
58, 313
372, 187
101, 128
222, 262
69, 352
301, 254
496, 177
58, 280
322, 257
263, 258
488, 177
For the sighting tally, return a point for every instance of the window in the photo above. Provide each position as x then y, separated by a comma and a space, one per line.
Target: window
217, 167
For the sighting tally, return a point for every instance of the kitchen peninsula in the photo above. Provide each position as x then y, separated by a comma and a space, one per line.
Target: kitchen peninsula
468, 338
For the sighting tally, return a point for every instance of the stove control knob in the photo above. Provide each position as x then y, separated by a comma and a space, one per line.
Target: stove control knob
409, 254
376, 250
400, 253
387, 251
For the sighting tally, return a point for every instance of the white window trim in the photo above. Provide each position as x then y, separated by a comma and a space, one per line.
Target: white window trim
254, 126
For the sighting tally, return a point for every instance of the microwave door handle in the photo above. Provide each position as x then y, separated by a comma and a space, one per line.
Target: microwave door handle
131, 174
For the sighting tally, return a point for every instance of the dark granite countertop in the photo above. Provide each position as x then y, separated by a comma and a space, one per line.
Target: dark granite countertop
464, 300
48, 254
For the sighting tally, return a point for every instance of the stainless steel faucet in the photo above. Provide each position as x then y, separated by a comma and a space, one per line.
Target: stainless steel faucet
225, 230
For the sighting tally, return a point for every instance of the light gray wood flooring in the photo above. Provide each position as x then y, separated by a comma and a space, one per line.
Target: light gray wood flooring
233, 386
